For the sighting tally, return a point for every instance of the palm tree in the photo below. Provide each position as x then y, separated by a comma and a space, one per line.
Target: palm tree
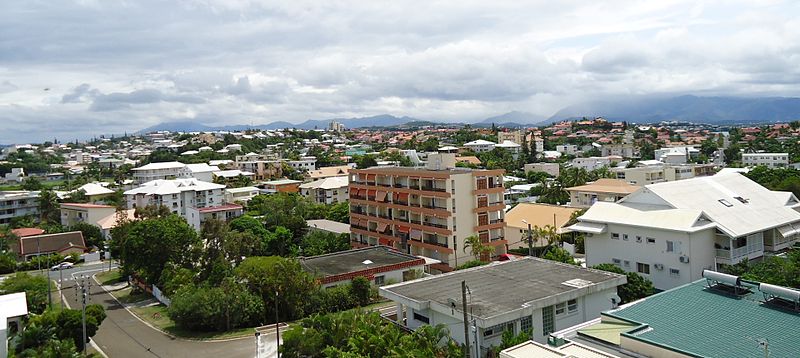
478, 248
48, 207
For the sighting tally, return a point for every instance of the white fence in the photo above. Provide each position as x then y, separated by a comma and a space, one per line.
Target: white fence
160, 296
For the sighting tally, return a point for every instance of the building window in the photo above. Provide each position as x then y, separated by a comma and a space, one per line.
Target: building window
674, 272
625, 237
421, 318
526, 324
548, 321
379, 280
615, 236
651, 240
670, 246
643, 268
639, 239
616, 261
498, 329
627, 263
572, 306
561, 308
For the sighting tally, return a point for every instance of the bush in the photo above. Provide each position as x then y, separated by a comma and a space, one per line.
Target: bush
207, 308
637, 287
35, 288
470, 264
8, 262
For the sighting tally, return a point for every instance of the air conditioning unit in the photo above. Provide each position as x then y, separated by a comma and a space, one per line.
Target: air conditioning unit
659, 266
684, 259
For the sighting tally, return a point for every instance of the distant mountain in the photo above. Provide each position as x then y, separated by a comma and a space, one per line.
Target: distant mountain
687, 108
514, 117
383, 120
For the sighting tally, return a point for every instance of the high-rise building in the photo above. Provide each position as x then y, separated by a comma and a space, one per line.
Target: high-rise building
428, 211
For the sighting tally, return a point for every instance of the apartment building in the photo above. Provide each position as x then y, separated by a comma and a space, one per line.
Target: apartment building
771, 160
480, 146
428, 211
264, 167
670, 232
73, 213
514, 136
326, 191
676, 155
568, 149
158, 171
592, 163
185, 197
622, 150
552, 169
17, 204
304, 163
660, 172
605, 190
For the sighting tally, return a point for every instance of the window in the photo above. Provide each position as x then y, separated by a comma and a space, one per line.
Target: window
670, 246
616, 261
674, 272
561, 308
572, 306
548, 321
615, 236
498, 329
625, 237
627, 263
526, 324
639, 239
651, 240
421, 318
643, 268
725, 202
379, 280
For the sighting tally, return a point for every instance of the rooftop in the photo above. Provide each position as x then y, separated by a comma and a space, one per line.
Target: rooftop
344, 262
164, 187
327, 183
605, 185
282, 182
86, 206
705, 322
162, 165
539, 215
521, 282
215, 209
329, 225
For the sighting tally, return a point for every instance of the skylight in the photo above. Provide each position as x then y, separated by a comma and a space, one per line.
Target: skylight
725, 202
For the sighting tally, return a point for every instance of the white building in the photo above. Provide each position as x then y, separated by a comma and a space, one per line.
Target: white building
519, 295
304, 164
17, 204
326, 191
243, 194
592, 163
551, 169
199, 171
676, 155
568, 149
13, 307
670, 232
772, 160
510, 146
480, 145
158, 171
379, 264
16, 175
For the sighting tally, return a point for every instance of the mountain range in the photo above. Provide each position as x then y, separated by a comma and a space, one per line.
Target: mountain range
713, 110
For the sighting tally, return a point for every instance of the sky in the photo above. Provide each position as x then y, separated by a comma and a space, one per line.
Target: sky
80, 68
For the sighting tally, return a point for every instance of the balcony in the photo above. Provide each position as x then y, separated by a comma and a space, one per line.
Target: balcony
433, 188
738, 254
431, 206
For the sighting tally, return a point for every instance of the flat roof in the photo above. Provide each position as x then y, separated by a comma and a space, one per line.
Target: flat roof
344, 262
329, 225
503, 287
539, 215
699, 320
605, 185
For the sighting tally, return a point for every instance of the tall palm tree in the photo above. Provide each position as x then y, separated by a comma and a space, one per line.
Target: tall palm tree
49, 209
477, 247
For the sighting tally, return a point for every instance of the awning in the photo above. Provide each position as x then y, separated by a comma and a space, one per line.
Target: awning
371, 192
371, 177
362, 177
430, 261
381, 196
402, 196
789, 230
382, 227
403, 229
591, 228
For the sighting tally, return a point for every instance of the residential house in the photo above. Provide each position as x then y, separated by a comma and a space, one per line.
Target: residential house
771, 160
73, 213
64, 243
243, 194
281, 186
379, 264
480, 146
651, 172
330, 226
592, 163
532, 215
552, 169
606, 190
326, 191
13, 307
327, 172
158, 171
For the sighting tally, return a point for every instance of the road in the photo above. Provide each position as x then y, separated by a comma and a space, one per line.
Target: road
124, 335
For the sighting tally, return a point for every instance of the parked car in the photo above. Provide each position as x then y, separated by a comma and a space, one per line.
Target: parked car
62, 266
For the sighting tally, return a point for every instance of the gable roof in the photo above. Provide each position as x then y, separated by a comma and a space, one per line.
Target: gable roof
328, 172
539, 215
49, 243
162, 165
175, 186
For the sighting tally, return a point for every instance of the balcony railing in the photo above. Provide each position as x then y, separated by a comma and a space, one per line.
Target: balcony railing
431, 188
434, 242
740, 252
441, 226
428, 206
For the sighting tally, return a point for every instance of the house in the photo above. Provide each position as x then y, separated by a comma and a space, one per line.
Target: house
225, 212
670, 232
511, 147
416, 210
199, 171
326, 191
16, 175
551, 169
94, 192
304, 163
64, 243
771, 160
73, 213
535, 215
13, 307
327, 172
468, 159
183, 197
531, 349
518, 295
379, 264
111, 221
513, 136
265, 167
331, 226
243, 194
592, 163
607, 190
281, 186
156, 171
676, 155
621, 150
20, 203
651, 172
480, 146
717, 316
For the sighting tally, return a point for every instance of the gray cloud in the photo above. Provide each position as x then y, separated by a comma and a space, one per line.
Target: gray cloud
120, 64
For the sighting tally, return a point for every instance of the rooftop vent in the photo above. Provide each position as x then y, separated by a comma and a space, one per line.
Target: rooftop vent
780, 296
577, 283
741, 199
725, 202
723, 282
367, 262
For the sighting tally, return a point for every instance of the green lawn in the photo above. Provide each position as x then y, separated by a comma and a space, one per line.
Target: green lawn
126, 295
157, 316
45, 184
109, 277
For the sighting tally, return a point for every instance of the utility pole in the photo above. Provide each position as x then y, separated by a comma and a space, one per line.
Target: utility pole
277, 327
530, 241
466, 319
85, 287
49, 289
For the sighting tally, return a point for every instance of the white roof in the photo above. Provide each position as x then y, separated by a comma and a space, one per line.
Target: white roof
449, 147
244, 189
12, 305
329, 225
165, 187
327, 183
201, 168
190, 152
163, 165
508, 144
232, 173
654, 216
480, 142
92, 189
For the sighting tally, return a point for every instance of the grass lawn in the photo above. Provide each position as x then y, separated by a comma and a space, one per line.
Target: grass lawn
109, 277
157, 316
126, 295
45, 184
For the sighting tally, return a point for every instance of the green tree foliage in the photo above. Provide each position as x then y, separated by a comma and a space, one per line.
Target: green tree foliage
510, 339
289, 210
471, 264
339, 212
91, 234
35, 288
222, 308
49, 210
31, 184
365, 161
360, 288
318, 242
77, 196
637, 287
153, 243
776, 270
58, 332
361, 334
498, 158
556, 253
780, 179
477, 247
266, 276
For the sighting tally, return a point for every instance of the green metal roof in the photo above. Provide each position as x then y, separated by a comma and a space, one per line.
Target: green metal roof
698, 321
607, 331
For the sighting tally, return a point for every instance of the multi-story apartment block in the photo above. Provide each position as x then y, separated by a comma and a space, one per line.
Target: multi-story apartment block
605, 190
480, 145
592, 163
772, 160
264, 167
183, 197
670, 232
552, 169
17, 204
659, 173
676, 155
304, 164
158, 171
514, 136
326, 191
568, 149
622, 150
428, 211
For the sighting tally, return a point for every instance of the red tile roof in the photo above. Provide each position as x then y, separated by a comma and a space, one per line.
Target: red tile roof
27, 231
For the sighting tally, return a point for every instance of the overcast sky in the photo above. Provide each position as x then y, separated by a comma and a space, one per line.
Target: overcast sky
111, 66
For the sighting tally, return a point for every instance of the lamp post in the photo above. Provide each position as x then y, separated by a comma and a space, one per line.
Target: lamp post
277, 327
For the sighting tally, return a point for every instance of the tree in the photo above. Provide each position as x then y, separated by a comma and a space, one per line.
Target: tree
556, 253
365, 161
339, 212
35, 288
153, 243
49, 210
267, 276
91, 234
360, 289
477, 247
31, 184
637, 287
77, 196
207, 308
318, 242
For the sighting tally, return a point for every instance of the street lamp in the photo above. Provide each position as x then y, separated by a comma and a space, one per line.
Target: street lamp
530, 238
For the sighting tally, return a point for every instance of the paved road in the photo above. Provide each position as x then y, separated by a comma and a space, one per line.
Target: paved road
123, 335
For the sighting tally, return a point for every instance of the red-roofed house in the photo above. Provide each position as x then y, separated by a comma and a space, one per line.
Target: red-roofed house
27, 231
196, 217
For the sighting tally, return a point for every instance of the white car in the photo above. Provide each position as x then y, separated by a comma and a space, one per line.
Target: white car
62, 266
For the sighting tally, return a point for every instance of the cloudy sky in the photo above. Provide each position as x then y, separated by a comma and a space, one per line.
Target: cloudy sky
85, 67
